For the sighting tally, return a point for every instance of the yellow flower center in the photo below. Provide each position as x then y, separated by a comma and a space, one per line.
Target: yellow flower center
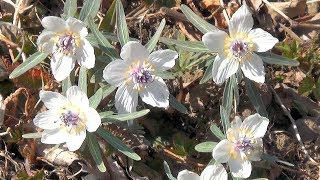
73, 119
66, 42
239, 47
139, 73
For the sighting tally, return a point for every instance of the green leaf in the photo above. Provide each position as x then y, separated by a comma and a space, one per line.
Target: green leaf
103, 43
106, 114
177, 105
168, 171
205, 146
66, 84
107, 90
96, 98
306, 86
70, 8
255, 98
274, 159
32, 135
191, 46
122, 28
165, 74
83, 79
89, 10
155, 38
118, 144
228, 94
109, 20
97, 77
217, 132
207, 74
126, 117
95, 151
197, 21
224, 119
32, 61
271, 58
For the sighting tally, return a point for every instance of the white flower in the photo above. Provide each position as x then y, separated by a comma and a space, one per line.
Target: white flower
67, 119
243, 144
135, 75
65, 40
211, 172
237, 50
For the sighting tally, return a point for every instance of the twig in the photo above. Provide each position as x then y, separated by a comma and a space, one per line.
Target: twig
287, 113
224, 12
312, 1
291, 33
279, 12
184, 160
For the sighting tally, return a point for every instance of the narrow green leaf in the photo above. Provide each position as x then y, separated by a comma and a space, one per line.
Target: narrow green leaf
107, 90
271, 58
155, 38
83, 79
89, 10
255, 98
224, 119
32, 61
217, 132
95, 151
207, 74
197, 21
66, 84
274, 159
122, 28
168, 171
126, 117
103, 43
306, 86
97, 77
70, 8
228, 94
106, 114
118, 144
32, 135
205, 146
109, 20
191, 46
177, 105
96, 98
165, 74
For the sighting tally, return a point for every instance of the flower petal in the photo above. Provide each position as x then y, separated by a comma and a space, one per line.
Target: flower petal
215, 41
221, 152
115, 72
126, 98
163, 59
85, 54
93, 120
253, 68
263, 41
77, 97
53, 23
52, 100
61, 66
241, 21
77, 26
54, 136
232, 133
214, 172
223, 68
256, 124
47, 120
155, 93
134, 51
45, 41
255, 154
48, 47
240, 167
74, 141
188, 175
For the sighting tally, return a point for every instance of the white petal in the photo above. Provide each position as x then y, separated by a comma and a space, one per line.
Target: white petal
53, 23
188, 175
45, 41
77, 26
155, 93
52, 100
223, 68
47, 120
256, 124
232, 133
126, 98
54, 136
115, 72
48, 47
263, 41
77, 97
61, 66
74, 141
253, 68
134, 51
215, 41
163, 59
240, 167
255, 154
93, 120
241, 21
221, 152
214, 172
85, 54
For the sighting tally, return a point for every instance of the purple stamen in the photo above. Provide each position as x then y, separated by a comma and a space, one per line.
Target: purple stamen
70, 118
66, 43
